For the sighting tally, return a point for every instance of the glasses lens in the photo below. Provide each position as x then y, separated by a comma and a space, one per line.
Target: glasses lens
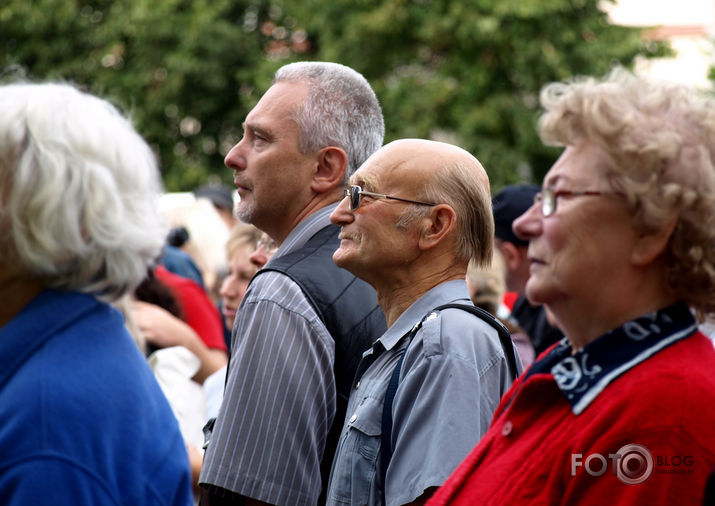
548, 202
267, 243
354, 197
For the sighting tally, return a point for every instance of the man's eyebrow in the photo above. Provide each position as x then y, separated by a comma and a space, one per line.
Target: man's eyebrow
254, 128
362, 183
368, 182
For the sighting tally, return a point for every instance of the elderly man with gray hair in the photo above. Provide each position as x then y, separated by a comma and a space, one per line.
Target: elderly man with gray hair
414, 215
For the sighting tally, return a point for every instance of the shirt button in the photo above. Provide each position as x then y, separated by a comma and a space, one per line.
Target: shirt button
507, 428
353, 418
357, 385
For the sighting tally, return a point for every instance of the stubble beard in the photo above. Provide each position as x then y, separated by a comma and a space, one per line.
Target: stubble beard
245, 213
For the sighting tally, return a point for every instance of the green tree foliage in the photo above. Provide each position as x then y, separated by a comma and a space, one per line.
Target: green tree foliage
181, 68
471, 71
466, 71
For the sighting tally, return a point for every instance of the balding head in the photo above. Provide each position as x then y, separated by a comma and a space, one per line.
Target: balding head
418, 212
422, 159
446, 174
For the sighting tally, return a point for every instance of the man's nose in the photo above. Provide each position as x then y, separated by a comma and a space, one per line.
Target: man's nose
342, 214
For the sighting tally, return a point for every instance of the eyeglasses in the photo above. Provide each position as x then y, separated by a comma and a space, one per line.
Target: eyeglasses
548, 198
267, 243
354, 193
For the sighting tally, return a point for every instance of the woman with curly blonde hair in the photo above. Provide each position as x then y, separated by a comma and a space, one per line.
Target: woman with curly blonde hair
622, 245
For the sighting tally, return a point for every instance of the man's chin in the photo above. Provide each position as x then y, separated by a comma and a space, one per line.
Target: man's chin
244, 212
340, 257
344, 259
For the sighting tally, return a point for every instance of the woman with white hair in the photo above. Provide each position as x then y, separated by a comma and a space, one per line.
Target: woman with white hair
83, 419
622, 250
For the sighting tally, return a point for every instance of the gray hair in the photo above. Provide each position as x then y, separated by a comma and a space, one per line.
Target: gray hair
661, 140
341, 110
455, 184
79, 191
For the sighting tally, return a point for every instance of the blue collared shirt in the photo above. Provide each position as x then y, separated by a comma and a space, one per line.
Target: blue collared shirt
452, 378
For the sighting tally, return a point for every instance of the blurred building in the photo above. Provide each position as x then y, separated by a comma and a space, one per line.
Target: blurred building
689, 25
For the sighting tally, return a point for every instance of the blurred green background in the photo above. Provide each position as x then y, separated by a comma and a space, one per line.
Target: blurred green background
188, 71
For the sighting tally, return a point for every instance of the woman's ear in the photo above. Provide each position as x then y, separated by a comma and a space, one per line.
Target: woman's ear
649, 245
438, 225
330, 170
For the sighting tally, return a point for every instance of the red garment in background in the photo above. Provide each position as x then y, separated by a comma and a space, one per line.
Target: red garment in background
199, 311
509, 298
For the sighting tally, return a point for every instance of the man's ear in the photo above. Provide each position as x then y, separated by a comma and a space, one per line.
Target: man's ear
438, 224
330, 171
511, 253
649, 245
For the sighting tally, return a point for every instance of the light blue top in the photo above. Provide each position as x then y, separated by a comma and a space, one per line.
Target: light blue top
452, 378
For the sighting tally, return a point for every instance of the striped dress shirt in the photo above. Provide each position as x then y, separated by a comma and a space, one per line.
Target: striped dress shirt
279, 402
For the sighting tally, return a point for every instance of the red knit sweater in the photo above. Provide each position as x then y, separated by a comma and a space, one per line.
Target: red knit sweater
537, 451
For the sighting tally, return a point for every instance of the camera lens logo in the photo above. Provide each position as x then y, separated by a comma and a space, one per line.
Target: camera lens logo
635, 464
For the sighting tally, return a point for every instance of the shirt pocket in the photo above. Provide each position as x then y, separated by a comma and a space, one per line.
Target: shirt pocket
359, 448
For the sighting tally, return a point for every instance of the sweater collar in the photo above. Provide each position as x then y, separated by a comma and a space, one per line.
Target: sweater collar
37, 323
583, 375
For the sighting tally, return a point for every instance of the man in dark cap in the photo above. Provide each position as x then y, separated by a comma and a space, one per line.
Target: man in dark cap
221, 196
509, 204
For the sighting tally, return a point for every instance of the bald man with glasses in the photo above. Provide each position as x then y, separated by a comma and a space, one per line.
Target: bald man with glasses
413, 216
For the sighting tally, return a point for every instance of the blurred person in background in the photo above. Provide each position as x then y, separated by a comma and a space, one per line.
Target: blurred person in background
177, 260
221, 196
200, 231
486, 290
265, 249
242, 243
508, 205
622, 250
83, 419
198, 328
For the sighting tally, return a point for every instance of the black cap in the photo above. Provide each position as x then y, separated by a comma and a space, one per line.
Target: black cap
220, 196
508, 205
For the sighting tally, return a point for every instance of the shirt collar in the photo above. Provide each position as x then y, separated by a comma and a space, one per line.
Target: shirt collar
306, 229
582, 376
440, 294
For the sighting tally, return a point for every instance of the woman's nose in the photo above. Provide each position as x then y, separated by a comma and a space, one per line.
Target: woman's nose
528, 225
